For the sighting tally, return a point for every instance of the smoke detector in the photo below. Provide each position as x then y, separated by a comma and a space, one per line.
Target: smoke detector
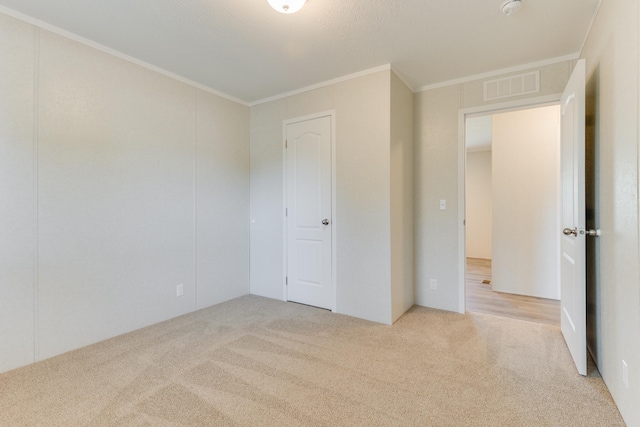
509, 6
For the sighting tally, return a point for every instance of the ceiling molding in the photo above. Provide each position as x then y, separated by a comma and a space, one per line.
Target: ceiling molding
323, 84
494, 73
72, 36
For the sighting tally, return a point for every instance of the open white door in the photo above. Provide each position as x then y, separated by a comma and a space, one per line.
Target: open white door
309, 222
573, 248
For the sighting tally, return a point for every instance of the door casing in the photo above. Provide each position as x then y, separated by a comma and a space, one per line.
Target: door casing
502, 107
334, 217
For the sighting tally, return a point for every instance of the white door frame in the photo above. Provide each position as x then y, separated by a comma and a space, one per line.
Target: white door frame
482, 110
334, 217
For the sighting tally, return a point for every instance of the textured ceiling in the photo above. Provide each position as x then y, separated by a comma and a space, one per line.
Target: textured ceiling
249, 51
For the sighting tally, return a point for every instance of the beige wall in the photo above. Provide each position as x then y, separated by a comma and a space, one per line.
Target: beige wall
611, 53
478, 204
363, 184
438, 251
222, 199
525, 256
17, 201
402, 283
436, 178
123, 184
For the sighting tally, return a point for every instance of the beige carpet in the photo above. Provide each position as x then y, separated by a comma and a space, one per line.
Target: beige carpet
259, 362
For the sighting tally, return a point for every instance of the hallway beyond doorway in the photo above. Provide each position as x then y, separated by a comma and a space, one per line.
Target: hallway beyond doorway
482, 299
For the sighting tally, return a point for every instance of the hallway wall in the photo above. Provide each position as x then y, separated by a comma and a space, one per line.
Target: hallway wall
526, 182
478, 204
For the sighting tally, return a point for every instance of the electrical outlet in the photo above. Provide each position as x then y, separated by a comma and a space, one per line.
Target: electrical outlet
434, 284
443, 205
180, 290
625, 374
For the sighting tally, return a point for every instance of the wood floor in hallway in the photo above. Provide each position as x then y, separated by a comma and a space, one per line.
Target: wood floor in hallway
482, 299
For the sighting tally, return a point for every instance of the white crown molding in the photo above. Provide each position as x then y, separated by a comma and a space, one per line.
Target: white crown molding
72, 36
323, 84
494, 73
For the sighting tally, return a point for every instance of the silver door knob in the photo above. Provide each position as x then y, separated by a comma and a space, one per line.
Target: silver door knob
325, 221
569, 231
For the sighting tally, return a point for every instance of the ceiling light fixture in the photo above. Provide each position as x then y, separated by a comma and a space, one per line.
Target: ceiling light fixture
287, 6
509, 6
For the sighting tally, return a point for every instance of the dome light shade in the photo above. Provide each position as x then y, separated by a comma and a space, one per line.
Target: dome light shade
287, 6
510, 6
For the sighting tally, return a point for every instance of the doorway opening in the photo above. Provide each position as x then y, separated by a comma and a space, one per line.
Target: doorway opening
512, 203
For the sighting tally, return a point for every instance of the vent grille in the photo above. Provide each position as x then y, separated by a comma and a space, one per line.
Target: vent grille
521, 84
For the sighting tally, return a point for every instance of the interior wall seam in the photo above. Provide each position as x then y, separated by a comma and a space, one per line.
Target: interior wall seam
36, 251
638, 124
195, 199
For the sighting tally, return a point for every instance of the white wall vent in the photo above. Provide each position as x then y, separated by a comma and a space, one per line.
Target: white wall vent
521, 84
